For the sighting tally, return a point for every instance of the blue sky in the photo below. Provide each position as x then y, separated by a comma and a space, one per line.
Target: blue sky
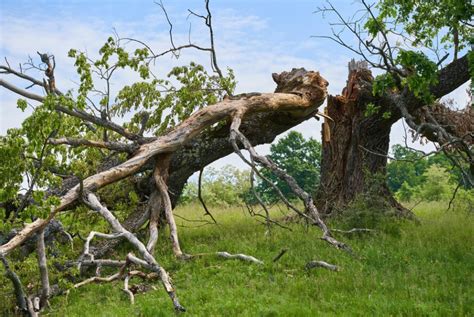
255, 38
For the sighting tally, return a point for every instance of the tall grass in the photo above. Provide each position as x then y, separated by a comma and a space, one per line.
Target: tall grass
420, 270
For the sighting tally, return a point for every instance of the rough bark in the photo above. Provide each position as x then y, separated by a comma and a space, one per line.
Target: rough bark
351, 142
213, 144
356, 142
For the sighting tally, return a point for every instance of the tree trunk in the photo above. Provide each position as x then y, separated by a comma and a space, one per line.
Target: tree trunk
353, 146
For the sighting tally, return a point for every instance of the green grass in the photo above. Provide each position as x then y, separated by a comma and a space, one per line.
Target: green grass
418, 270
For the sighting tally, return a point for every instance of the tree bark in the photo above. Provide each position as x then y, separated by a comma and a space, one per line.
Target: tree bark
353, 146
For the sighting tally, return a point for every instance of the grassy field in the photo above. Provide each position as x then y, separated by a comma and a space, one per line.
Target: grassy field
410, 270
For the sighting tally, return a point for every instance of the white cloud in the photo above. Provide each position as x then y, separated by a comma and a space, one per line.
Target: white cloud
241, 43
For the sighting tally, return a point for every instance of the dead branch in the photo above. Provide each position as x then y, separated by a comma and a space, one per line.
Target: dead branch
92, 201
127, 290
239, 256
159, 174
259, 200
113, 146
279, 255
313, 214
91, 235
353, 230
154, 207
201, 200
95, 279
43, 267
314, 264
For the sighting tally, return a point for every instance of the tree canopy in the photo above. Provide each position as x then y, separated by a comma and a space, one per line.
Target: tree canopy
300, 158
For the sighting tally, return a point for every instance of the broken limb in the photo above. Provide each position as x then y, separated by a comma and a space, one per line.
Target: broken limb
207, 212
312, 212
17, 285
314, 264
160, 175
43, 268
92, 202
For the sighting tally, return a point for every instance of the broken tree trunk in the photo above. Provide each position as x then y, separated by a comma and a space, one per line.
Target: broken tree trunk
353, 141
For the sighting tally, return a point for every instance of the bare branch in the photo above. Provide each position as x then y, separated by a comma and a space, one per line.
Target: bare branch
239, 256
313, 264
113, 146
43, 267
203, 203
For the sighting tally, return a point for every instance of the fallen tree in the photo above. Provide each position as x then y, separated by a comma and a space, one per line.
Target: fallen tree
297, 97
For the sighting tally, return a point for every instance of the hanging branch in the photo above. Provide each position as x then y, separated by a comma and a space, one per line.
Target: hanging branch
203, 203
17, 285
154, 207
313, 214
43, 267
259, 200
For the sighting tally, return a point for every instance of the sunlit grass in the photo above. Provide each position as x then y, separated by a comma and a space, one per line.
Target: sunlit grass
425, 269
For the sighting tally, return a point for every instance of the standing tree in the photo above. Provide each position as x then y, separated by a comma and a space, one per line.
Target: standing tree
300, 158
401, 39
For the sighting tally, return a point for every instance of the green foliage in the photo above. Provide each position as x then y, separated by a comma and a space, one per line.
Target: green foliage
21, 104
413, 176
11, 169
408, 167
300, 158
29, 161
424, 20
196, 90
386, 115
423, 24
226, 187
405, 192
437, 185
383, 84
371, 110
422, 73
